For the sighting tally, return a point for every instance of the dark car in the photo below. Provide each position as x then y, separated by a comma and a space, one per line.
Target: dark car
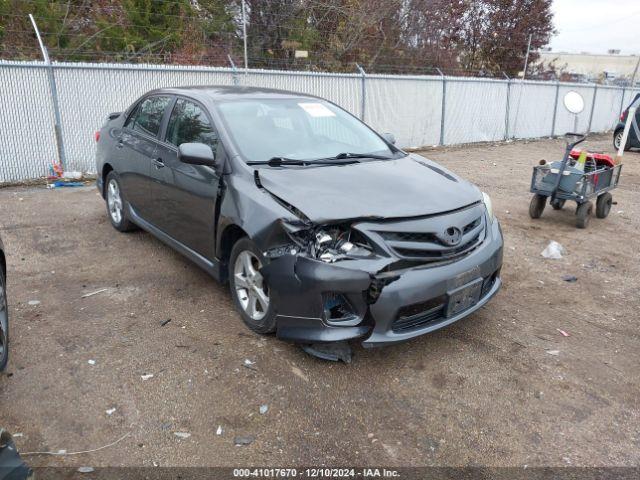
633, 140
4, 311
324, 229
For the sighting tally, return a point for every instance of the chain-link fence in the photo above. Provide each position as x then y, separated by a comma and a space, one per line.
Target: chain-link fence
419, 110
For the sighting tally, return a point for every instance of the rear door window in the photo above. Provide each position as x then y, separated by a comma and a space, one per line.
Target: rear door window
147, 116
189, 124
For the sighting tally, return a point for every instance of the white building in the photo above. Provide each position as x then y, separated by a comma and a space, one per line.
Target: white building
591, 66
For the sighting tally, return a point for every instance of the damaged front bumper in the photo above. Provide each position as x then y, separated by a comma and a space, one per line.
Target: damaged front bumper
321, 302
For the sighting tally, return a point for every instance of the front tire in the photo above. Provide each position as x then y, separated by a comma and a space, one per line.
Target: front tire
584, 212
536, 207
603, 205
116, 204
617, 140
249, 291
4, 324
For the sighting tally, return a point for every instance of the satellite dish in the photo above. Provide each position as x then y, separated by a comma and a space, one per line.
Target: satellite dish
574, 102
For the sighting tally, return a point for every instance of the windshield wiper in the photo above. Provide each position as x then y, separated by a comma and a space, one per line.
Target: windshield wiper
348, 155
283, 161
277, 161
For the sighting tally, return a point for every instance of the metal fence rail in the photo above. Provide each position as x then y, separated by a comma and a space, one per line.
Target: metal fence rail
419, 110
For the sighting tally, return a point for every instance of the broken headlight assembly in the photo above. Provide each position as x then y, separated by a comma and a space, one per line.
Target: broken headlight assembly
328, 243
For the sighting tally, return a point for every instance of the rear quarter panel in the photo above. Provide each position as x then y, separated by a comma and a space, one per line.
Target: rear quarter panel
106, 152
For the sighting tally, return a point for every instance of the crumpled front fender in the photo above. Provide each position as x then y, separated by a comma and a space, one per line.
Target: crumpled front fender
296, 285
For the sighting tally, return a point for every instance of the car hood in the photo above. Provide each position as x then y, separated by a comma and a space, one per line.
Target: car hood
407, 187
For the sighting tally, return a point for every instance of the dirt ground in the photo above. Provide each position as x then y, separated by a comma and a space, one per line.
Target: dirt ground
503, 387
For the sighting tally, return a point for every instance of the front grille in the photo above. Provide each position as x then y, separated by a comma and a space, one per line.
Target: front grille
429, 243
419, 314
409, 237
436, 255
471, 226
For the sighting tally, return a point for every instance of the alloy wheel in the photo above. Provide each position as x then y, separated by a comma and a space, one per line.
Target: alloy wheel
252, 293
617, 141
114, 201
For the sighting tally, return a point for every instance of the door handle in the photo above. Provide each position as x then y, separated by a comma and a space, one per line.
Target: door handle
120, 143
158, 163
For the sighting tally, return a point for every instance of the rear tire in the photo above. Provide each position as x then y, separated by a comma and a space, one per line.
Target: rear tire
603, 205
4, 324
584, 212
248, 289
116, 203
536, 207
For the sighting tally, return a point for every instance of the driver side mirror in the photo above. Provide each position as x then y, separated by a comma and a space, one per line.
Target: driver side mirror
390, 138
196, 154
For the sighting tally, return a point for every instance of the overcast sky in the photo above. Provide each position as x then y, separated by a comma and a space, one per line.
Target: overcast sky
595, 26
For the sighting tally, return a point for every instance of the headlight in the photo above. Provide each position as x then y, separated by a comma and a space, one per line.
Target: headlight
487, 203
329, 243
339, 242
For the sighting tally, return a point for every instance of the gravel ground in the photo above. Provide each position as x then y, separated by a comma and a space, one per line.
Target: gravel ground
503, 387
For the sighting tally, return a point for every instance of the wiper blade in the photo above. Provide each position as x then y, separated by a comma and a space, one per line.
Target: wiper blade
283, 161
278, 161
347, 155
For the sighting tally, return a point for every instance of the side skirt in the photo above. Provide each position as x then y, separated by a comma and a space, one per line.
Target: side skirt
211, 267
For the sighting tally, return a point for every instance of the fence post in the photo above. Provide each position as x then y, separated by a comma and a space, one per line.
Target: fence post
364, 91
235, 70
507, 112
54, 97
593, 106
444, 105
624, 92
244, 37
555, 109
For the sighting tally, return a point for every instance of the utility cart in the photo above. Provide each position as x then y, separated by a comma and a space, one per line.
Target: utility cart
578, 179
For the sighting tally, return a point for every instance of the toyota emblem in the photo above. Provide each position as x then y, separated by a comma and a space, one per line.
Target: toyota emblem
452, 236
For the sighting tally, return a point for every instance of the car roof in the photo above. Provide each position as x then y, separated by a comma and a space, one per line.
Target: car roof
229, 92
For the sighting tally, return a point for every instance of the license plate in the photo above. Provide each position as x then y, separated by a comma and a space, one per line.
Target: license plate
464, 297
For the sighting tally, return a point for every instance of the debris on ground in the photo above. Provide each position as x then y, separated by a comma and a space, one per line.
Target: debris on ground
63, 452
61, 183
570, 278
162, 324
298, 373
33, 303
562, 332
146, 376
91, 362
111, 411
72, 175
332, 351
264, 409
249, 364
85, 469
555, 353
182, 434
219, 431
240, 440
554, 251
87, 295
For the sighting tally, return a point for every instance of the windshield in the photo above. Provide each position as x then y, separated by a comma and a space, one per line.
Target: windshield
300, 129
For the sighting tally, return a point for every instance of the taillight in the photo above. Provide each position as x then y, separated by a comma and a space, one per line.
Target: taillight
97, 136
623, 117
